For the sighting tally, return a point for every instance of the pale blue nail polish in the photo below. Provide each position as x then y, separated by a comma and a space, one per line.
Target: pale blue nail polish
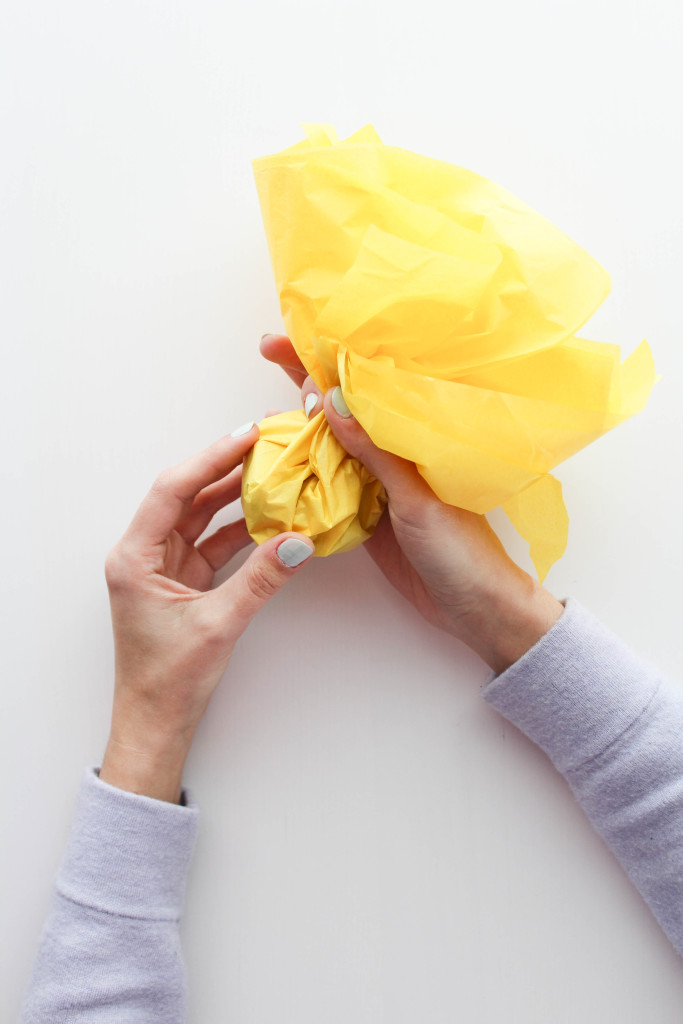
293, 552
339, 403
244, 429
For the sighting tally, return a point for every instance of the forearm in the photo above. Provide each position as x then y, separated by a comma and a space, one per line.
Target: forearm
111, 937
612, 726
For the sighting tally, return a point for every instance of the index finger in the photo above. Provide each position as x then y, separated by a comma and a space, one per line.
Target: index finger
277, 348
174, 490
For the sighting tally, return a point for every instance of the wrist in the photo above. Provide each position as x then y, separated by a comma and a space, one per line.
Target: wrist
150, 765
509, 621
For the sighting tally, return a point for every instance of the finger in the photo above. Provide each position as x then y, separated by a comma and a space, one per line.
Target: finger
220, 547
312, 397
174, 490
277, 348
266, 570
401, 480
208, 502
272, 412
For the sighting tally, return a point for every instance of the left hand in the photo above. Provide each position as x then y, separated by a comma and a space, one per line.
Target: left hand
174, 635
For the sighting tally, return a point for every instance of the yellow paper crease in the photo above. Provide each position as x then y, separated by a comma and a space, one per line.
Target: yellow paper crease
447, 310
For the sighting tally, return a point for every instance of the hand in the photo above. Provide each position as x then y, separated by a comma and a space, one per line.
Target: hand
173, 635
446, 561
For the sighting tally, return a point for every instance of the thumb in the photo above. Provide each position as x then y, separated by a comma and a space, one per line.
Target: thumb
402, 482
265, 571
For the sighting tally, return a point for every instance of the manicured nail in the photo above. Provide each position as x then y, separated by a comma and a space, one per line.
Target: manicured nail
310, 403
339, 404
244, 429
293, 552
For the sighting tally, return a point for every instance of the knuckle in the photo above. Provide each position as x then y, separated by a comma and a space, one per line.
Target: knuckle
210, 631
413, 513
163, 482
116, 568
405, 516
262, 580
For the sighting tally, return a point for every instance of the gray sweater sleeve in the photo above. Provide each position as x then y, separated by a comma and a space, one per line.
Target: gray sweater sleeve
110, 947
613, 727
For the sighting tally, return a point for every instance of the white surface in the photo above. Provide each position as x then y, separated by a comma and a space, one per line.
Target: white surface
377, 845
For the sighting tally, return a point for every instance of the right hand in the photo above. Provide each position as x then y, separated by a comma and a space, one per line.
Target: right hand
446, 561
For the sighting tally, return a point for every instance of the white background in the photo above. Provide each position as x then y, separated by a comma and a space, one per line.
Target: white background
376, 843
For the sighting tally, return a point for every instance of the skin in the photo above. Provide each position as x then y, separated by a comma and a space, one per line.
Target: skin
446, 561
174, 635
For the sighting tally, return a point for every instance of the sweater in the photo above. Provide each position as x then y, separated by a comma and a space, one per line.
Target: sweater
608, 721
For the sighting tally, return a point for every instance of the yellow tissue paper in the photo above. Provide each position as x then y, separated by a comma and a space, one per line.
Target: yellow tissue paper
446, 309
298, 477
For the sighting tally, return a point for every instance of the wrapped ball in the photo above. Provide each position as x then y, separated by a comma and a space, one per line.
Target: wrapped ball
298, 477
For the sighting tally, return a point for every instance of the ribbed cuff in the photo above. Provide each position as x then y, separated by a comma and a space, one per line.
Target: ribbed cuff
576, 690
128, 854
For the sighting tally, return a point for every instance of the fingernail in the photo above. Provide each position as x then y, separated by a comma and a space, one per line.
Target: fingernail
264, 336
244, 429
339, 404
293, 552
310, 403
